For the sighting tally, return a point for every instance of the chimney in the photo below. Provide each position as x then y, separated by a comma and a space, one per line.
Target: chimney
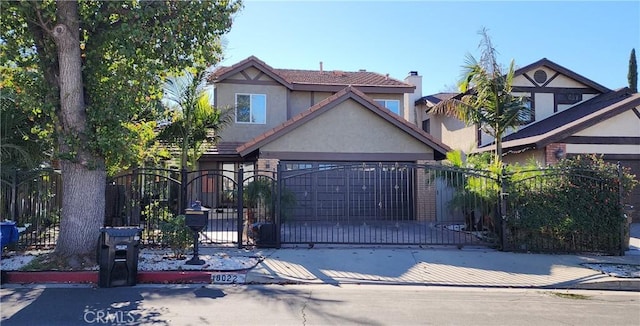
413, 115
386, 76
320, 66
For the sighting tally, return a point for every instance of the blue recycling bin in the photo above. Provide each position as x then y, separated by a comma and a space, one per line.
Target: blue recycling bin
8, 233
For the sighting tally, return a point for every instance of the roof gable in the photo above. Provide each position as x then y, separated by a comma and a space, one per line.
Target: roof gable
544, 62
570, 121
225, 72
348, 93
312, 79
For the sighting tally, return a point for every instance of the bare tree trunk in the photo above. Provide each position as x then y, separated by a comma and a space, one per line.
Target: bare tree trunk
83, 173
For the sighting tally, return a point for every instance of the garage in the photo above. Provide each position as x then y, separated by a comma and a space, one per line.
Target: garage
350, 192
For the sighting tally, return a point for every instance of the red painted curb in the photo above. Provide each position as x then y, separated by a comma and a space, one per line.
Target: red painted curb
179, 277
158, 277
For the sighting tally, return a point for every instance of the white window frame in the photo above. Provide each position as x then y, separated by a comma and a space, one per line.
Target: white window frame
384, 103
251, 109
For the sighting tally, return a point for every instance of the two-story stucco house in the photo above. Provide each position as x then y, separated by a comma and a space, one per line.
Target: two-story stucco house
572, 115
316, 115
315, 118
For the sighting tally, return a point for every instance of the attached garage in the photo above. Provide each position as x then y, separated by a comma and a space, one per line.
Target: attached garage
350, 191
344, 159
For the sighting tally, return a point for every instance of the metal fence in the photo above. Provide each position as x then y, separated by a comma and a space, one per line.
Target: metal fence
552, 210
386, 203
33, 199
365, 203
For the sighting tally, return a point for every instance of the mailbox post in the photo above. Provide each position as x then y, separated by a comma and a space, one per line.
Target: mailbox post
196, 219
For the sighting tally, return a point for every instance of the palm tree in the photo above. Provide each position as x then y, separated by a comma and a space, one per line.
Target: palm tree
190, 117
486, 99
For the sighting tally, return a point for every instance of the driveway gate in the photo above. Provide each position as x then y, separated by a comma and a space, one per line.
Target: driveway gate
386, 203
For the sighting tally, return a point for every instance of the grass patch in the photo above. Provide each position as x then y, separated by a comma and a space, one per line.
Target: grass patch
53, 262
571, 296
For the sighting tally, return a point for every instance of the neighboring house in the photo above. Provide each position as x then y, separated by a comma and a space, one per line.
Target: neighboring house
304, 118
572, 115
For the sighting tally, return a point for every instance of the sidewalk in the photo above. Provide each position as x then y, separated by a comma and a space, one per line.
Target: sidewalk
435, 266
441, 267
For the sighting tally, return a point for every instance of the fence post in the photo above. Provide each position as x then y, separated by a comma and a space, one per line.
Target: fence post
14, 196
183, 191
503, 208
240, 205
278, 208
624, 225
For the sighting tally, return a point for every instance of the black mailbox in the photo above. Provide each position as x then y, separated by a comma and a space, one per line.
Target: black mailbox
196, 219
118, 256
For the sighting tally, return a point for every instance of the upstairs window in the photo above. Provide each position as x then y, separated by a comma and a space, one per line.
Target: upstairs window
392, 105
531, 117
251, 108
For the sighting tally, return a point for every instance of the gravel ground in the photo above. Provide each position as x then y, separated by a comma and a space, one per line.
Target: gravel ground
153, 260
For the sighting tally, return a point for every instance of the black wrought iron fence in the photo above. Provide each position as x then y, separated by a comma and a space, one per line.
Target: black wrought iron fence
386, 203
33, 200
305, 203
554, 210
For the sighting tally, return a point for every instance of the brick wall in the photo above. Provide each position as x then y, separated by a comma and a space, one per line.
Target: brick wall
425, 194
552, 151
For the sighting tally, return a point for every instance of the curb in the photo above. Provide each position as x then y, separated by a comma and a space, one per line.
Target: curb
204, 277
84, 277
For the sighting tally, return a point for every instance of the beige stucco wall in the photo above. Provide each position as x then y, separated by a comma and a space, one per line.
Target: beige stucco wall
276, 99
543, 104
564, 81
602, 149
521, 81
458, 135
301, 101
625, 124
347, 128
538, 155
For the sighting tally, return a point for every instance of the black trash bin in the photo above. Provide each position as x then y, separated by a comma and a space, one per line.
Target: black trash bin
118, 256
266, 235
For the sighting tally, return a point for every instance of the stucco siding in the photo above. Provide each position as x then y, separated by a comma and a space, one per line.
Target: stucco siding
602, 149
626, 124
458, 135
276, 102
565, 82
522, 81
543, 104
537, 155
347, 128
299, 101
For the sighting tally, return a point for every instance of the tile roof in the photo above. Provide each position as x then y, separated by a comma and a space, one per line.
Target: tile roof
434, 98
345, 78
439, 148
292, 77
567, 122
222, 148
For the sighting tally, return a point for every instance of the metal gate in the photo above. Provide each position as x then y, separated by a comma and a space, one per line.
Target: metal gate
386, 203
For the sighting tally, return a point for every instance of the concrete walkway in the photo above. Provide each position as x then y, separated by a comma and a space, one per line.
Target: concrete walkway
477, 267
434, 266
442, 267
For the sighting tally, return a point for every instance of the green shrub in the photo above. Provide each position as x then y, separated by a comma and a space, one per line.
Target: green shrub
177, 235
574, 206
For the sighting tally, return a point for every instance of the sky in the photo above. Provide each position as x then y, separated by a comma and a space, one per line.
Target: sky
591, 38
